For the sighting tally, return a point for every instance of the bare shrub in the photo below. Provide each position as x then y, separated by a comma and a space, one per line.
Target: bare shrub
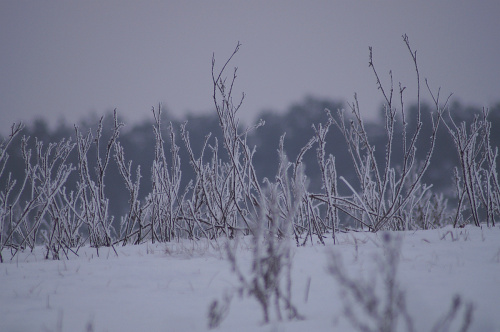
385, 193
6, 199
363, 306
45, 176
218, 310
226, 198
226, 191
268, 217
329, 178
133, 223
476, 179
164, 200
94, 203
269, 279
373, 306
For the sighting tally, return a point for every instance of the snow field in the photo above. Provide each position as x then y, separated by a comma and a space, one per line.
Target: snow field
168, 287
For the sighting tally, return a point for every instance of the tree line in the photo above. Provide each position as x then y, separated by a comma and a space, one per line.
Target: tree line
296, 122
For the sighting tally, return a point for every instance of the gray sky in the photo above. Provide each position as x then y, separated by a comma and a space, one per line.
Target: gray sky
68, 58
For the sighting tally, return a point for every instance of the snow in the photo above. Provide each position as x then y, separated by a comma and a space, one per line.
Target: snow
169, 287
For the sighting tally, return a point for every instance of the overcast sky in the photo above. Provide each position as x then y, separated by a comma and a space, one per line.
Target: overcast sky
64, 59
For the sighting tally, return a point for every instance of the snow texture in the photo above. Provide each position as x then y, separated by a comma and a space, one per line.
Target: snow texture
169, 287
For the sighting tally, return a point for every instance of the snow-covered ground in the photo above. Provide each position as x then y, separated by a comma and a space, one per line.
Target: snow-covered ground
164, 287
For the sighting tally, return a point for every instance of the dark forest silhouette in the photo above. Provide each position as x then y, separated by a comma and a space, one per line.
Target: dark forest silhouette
138, 143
